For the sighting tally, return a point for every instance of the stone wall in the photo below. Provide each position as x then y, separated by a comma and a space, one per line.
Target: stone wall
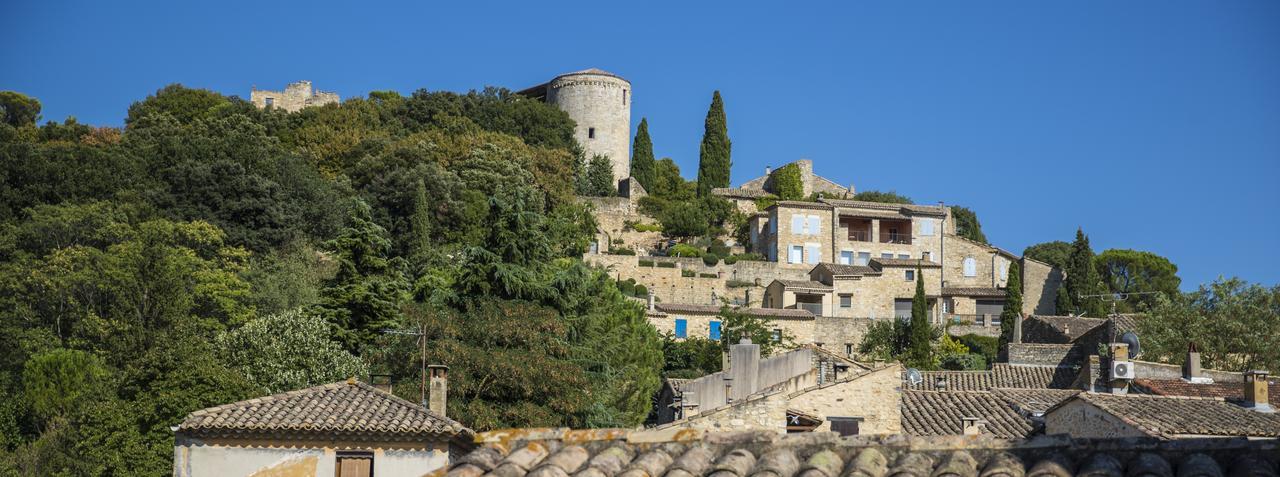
873, 396
839, 335
1047, 354
669, 286
1150, 370
195, 457
990, 266
873, 296
600, 105
295, 96
1040, 284
768, 412
1080, 419
991, 331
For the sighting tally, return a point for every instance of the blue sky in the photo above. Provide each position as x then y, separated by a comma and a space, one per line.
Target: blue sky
1154, 125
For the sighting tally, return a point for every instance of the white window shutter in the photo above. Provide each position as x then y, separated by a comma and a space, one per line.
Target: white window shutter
815, 225
970, 267
797, 224
926, 227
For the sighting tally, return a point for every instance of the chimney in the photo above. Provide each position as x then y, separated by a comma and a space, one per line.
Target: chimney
1191, 368
972, 425
940, 383
381, 382
768, 170
744, 370
1017, 329
1255, 391
651, 301
439, 388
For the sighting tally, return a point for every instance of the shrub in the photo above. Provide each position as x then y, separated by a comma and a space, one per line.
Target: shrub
627, 287
684, 250
708, 275
710, 259
646, 263
787, 183
986, 346
642, 291
621, 251
648, 227
736, 283
666, 265
766, 202
618, 241
730, 260
718, 248
687, 273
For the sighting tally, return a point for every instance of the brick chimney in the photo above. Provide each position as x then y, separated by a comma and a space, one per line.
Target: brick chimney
439, 388
1255, 391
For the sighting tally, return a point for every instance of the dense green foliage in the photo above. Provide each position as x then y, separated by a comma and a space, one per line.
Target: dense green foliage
1083, 285
787, 183
890, 197
690, 358
643, 164
736, 325
713, 154
918, 333
17, 109
1234, 325
1056, 253
1012, 304
598, 180
967, 224
1134, 271
211, 252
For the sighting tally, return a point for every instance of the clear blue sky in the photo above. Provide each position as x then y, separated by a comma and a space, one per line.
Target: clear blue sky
1153, 125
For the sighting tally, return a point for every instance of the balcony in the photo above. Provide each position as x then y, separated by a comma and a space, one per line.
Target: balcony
979, 320
895, 237
895, 231
815, 308
859, 229
859, 236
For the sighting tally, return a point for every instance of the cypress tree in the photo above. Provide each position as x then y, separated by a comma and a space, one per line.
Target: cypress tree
643, 165
1083, 279
1012, 305
713, 155
918, 348
420, 223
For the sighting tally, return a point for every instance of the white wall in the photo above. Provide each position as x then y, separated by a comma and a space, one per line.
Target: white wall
196, 458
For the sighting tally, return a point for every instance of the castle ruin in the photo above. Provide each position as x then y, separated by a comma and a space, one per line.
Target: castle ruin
599, 102
296, 95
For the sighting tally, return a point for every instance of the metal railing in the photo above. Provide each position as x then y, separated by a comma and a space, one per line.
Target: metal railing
886, 237
859, 236
979, 320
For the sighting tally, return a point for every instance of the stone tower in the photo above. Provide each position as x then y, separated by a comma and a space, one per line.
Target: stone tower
600, 103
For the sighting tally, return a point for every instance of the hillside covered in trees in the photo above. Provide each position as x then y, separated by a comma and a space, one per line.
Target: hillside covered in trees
209, 251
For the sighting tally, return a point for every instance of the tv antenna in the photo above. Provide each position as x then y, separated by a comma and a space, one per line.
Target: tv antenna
421, 333
1116, 298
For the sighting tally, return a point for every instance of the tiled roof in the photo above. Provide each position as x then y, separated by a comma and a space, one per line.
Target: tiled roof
1035, 401
1168, 417
941, 413
973, 291
712, 309
739, 192
903, 262
1227, 391
1001, 375
801, 204
807, 284
695, 453
918, 209
349, 409
839, 269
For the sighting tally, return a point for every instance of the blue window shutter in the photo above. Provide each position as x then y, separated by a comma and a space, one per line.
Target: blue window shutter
715, 330
682, 328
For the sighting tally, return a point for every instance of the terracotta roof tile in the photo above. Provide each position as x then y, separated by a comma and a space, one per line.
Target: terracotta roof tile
345, 408
1168, 416
712, 309
973, 291
1001, 375
806, 284
1227, 391
839, 269
938, 413
903, 262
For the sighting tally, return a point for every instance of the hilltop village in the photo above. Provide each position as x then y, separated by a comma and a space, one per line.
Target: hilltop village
508, 283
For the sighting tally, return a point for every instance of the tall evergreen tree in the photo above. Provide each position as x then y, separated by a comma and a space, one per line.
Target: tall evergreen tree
364, 297
420, 222
918, 352
713, 155
599, 179
643, 164
1012, 305
1084, 284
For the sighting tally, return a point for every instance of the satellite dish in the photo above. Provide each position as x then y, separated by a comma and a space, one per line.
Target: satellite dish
914, 377
1130, 338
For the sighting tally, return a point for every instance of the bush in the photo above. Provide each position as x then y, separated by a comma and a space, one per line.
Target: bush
964, 362
687, 273
684, 250
666, 265
766, 202
642, 291
787, 183
730, 260
736, 283
708, 275
718, 248
985, 346
646, 263
710, 259
621, 251
648, 227
627, 287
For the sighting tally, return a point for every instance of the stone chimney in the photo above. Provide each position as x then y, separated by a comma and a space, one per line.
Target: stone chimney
940, 383
1017, 329
972, 425
439, 388
744, 370
651, 301
1191, 368
1255, 391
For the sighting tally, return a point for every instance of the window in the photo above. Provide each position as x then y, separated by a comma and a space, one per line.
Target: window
886, 254
796, 254
926, 256
797, 224
354, 464
271, 101
1004, 271
863, 258
926, 227
846, 257
902, 308
848, 349
845, 426
905, 256
715, 330
814, 253
624, 97
910, 275
846, 301
970, 267
777, 335
591, 133
773, 224
682, 328
815, 225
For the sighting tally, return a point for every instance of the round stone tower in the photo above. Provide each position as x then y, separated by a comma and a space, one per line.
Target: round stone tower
600, 103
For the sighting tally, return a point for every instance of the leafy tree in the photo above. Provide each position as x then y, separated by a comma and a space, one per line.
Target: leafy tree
889, 197
643, 165
1056, 253
17, 109
967, 224
364, 297
420, 223
691, 357
1233, 323
600, 181
287, 351
179, 102
713, 156
1083, 283
787, 183
736, 325
1012, 305
1134, 271
288, 277
918, 352
57, 382
667, 181
985, 346
950, 353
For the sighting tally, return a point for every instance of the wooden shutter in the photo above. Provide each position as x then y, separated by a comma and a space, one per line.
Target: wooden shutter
815, 225
355, 465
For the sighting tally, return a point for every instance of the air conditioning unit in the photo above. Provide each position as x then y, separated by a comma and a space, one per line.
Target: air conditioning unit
1121, 370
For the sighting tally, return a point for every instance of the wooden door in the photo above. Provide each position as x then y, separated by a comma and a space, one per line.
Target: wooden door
355, 465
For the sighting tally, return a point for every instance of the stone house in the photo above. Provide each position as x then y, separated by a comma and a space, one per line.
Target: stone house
685, 321
296, 95
744, 196
1106, 415
695, 453
346, 428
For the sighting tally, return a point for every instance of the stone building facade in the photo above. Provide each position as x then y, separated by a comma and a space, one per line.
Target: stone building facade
599, 102
744, 196
296, 95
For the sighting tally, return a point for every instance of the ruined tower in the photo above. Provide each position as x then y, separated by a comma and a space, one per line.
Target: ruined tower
600, 103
